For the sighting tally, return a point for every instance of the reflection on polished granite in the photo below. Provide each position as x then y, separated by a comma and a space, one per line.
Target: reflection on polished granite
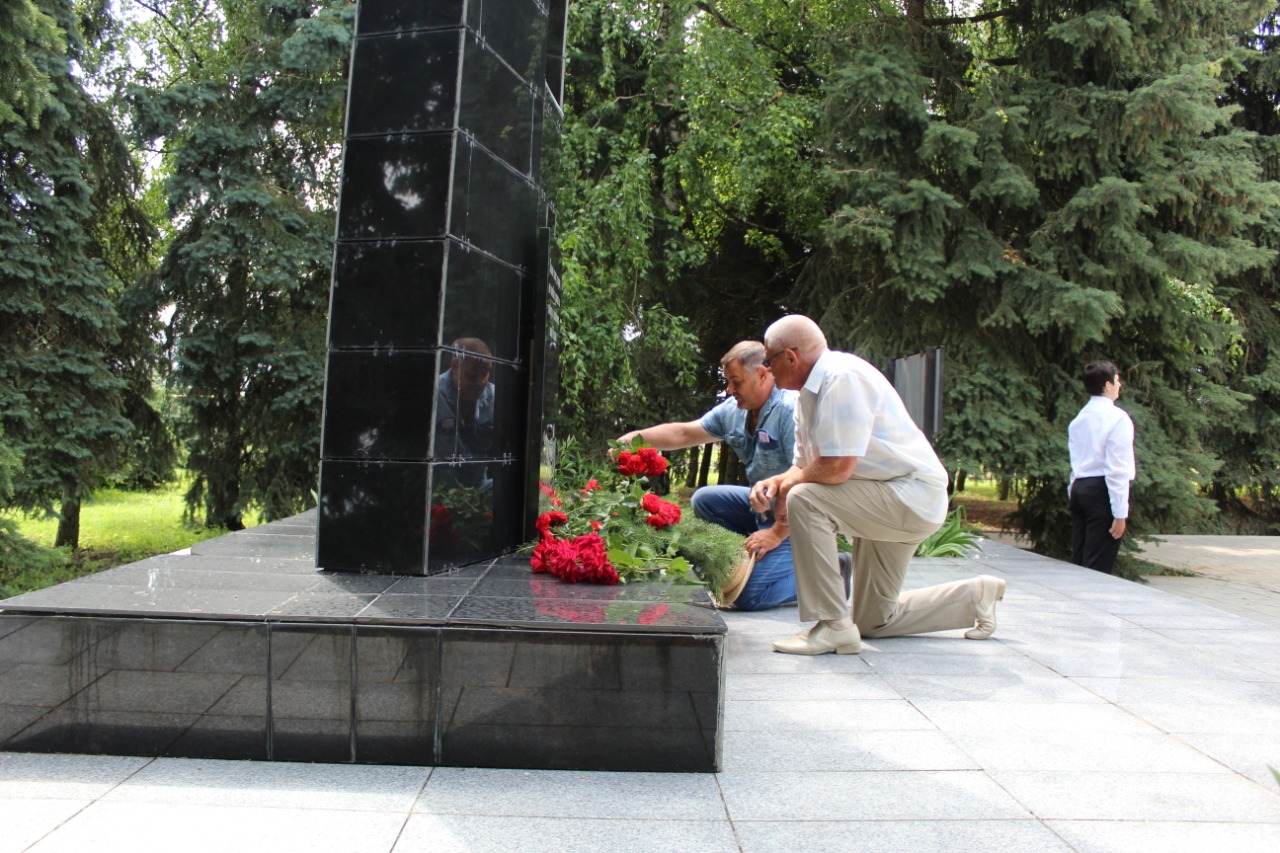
272, 578
242, 649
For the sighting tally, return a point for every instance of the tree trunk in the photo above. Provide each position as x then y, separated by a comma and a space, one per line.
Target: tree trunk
704, 469
230, 522
915, 19
960, 478
69, 525
691, 476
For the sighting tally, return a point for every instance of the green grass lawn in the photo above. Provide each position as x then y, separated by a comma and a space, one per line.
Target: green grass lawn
115, 527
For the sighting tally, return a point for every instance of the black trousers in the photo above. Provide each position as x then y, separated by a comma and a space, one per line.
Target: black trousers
1092, 545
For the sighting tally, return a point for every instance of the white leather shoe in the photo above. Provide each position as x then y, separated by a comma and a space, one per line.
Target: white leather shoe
820, 640
992, 591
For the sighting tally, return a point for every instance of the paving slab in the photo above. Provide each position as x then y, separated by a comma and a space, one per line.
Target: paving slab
1103, 715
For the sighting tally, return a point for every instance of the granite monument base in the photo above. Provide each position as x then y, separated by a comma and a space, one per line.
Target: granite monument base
241, 649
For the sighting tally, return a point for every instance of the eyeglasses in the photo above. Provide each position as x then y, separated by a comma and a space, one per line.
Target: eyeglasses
768, 358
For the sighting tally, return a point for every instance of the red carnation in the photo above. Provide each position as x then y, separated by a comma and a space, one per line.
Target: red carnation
651, 502
548, 520
556, 556
594, 562
550, 493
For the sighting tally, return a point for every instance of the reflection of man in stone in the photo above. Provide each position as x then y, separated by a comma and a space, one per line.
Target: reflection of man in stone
464, 409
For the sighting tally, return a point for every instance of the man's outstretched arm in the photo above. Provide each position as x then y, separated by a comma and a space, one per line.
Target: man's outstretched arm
673, 436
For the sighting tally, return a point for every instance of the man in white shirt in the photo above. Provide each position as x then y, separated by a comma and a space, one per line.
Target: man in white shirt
861, 468
1100, 441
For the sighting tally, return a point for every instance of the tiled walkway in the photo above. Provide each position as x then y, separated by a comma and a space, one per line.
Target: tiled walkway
1238, 574
1103, 716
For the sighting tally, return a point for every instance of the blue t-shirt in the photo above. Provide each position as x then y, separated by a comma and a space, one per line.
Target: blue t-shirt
768, 451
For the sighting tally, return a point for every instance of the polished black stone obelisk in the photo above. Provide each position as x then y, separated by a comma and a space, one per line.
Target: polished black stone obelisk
440, 344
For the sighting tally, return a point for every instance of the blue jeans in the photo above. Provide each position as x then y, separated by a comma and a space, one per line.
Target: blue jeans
773, 582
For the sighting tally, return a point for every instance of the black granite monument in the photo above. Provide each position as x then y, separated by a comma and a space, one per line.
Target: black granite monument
419, 639
439, 340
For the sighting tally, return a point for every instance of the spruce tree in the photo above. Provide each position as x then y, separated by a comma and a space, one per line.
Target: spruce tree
1033, 186
63, 171
247, 107
1247, 486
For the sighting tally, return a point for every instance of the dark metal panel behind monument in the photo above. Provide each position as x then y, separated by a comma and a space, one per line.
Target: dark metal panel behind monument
439, 380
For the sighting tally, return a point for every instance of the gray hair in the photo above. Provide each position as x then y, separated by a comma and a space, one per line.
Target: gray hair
750, 354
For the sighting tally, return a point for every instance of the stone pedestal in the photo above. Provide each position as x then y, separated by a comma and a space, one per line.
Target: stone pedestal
243, 650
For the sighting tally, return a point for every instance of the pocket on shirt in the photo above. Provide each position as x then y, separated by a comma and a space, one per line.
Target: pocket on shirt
770, 456
766, 442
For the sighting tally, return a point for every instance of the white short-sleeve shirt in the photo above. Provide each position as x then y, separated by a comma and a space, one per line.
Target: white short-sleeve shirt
848, 408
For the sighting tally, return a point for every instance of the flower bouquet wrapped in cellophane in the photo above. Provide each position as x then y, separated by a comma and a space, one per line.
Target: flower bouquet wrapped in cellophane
620, 532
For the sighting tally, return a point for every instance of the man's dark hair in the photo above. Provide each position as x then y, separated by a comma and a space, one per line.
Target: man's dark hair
1096, 376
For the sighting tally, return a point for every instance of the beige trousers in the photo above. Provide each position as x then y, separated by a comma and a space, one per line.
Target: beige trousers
885, 533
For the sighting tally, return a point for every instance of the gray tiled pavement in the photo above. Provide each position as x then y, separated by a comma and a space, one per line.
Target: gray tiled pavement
1238, 574
1103, 716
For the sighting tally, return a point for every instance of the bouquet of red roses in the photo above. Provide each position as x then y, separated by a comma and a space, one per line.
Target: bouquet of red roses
608, 536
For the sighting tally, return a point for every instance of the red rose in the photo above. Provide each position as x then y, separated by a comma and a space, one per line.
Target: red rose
591, 486
662, 513
630, 464
652, 613
550, 493
441, 525
654, 463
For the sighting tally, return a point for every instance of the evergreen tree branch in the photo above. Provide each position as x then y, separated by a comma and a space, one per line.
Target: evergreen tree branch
957, 20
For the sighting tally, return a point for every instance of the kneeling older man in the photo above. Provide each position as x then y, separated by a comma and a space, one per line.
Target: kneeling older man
864, 469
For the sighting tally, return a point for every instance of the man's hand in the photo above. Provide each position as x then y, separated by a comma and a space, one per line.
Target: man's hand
1117, 527
763, 541
625, 438
772, 491
761, 492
